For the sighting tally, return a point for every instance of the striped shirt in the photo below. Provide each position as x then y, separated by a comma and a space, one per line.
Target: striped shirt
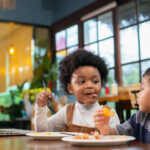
138, 126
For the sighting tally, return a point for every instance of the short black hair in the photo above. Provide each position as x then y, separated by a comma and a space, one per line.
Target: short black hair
147, 73
80, 57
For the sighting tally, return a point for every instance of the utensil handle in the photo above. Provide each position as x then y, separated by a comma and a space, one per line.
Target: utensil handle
50, 99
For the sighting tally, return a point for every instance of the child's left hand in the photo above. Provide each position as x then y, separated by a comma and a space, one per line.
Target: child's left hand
101, 122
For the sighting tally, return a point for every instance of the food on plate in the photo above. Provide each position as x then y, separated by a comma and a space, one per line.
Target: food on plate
118, 137
86, 136
42, 133
107, 111
122, 137
81, 136
96, 135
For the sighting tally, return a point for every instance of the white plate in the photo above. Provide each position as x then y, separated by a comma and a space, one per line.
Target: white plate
106, 140
42, 136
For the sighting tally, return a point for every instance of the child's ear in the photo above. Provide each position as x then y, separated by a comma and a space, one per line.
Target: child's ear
69, 87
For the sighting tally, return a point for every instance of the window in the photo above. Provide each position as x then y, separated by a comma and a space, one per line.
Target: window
144, 29
66, 42
128, 49
134, 43
99, 39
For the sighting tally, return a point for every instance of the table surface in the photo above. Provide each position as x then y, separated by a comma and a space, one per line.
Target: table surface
27, 143
115, 98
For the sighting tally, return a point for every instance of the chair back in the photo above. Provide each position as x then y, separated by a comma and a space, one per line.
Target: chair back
133, 91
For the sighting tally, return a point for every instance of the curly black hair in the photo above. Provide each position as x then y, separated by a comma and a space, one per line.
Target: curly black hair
79, 58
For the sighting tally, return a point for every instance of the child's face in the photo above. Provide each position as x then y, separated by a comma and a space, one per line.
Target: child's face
85, 84
144, 95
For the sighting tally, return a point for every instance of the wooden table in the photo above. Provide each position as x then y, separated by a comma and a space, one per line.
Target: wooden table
122, 102
115, 98
26, 143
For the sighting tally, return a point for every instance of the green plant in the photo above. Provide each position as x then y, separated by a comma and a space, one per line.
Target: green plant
17, 105
44, 68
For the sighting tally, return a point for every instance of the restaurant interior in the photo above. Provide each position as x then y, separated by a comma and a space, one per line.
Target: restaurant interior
36, 35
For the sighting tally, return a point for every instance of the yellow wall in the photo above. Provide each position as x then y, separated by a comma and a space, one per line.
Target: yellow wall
20, 63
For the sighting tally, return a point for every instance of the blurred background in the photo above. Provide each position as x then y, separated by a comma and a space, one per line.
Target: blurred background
35, 35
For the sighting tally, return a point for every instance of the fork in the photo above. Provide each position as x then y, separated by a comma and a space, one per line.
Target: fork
50, 99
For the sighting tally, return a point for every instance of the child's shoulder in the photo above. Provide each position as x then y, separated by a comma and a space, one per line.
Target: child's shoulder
140, 114
141, 117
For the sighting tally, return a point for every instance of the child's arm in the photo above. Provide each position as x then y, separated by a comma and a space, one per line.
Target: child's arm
102, 123
41, 123
43, 98
44, 123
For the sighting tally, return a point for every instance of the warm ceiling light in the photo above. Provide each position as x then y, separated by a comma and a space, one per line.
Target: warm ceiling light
20, 69
12, 50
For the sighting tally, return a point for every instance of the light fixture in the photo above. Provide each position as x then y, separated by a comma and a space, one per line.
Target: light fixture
7, 4
20, 69
12, 50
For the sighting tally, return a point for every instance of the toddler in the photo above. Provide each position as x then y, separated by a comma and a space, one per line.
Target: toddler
81, 74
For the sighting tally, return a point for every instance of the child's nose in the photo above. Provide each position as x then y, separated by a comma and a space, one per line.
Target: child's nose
88, 84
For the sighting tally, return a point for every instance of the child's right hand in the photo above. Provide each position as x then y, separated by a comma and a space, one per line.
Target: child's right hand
101, 122
43, 98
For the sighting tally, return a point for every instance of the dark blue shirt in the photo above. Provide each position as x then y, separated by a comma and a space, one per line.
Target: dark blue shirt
138, 126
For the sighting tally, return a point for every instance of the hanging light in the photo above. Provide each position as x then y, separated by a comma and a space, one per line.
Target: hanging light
12, 50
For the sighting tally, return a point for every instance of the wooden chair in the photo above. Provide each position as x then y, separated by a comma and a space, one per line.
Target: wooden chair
130, 103
132, 91
133, 95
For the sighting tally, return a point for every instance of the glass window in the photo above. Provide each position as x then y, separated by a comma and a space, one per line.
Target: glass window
60, 40
129, 45
72, 49
106, 50
105, 27
144, 40
90, 31
111, 76
130, 74
66, 43
67, 38
144, 9
92, 48
127, 14
60, 55
144, 66
72, 35
98, 39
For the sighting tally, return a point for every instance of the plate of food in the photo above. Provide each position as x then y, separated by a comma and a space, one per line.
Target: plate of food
98, 140
48, 135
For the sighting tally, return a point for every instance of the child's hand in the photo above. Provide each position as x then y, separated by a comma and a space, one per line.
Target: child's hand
101, 122
43, 98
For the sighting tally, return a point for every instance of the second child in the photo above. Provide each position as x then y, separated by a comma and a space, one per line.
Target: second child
139, 124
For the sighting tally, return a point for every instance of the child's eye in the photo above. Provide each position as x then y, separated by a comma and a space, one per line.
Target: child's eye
81, 82
95, 81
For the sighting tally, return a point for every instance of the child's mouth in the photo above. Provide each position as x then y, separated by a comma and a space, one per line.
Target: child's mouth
92, 95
